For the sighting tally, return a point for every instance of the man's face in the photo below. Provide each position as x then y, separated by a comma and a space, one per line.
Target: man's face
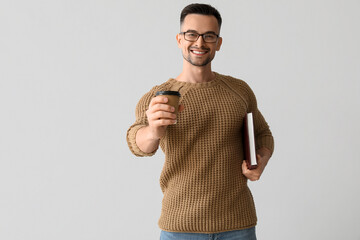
199, 53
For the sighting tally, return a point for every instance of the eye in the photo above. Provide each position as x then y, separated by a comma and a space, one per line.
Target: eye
191, 35
210, 37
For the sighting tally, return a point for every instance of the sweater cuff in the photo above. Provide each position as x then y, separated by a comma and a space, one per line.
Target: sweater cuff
266, 141
131, 140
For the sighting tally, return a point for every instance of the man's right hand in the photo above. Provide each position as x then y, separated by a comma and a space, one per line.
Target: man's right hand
159, 115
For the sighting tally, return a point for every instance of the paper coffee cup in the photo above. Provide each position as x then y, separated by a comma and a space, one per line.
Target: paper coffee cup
173, 98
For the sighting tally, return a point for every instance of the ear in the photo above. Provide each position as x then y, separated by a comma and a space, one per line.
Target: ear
178, 39
218, 44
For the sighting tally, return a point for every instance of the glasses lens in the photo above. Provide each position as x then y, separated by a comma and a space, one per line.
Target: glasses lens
210, 38
191, 36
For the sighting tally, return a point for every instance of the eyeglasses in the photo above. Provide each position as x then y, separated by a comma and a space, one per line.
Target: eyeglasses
207, 37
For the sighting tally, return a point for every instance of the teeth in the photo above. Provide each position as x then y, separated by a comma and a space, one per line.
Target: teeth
197, 52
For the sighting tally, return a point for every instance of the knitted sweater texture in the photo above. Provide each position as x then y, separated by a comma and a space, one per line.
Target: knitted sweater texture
202, 181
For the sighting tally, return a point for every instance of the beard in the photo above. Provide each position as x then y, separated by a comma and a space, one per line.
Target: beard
197, 62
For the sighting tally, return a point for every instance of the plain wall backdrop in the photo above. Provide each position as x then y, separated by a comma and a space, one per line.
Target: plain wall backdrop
72, 72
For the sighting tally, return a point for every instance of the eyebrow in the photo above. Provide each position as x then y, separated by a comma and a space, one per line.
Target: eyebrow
194, 31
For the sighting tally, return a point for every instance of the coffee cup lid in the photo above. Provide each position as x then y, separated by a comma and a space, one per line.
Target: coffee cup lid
176, 93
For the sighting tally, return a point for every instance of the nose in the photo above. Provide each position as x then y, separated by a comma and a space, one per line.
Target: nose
200, 41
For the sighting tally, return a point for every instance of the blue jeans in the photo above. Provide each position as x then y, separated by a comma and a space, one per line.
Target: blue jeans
245, 234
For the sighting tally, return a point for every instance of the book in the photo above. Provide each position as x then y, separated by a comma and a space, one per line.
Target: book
249, 141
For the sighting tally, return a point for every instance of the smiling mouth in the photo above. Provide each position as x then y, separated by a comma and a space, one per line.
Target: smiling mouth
198, 52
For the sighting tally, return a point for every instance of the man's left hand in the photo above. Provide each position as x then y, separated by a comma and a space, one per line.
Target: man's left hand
263, 155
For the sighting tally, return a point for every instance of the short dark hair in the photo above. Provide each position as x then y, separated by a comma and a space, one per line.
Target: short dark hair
203, 9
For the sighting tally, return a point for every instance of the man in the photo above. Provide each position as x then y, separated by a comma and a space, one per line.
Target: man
204, 179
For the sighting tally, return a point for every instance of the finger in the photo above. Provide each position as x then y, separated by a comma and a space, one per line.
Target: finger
158, 99
160, 103
161, 115
163, 122
160, 108
244, 167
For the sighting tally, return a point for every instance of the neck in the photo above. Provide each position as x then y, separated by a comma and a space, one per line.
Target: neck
194, 74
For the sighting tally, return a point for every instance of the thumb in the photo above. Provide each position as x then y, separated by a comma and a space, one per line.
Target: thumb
244, 166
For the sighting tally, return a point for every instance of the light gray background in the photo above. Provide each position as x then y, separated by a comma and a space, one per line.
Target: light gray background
72, 72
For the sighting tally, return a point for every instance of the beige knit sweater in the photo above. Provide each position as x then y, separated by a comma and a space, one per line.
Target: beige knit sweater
202, 181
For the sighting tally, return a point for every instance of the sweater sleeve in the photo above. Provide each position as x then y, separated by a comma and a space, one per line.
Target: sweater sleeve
263, 135
140, 122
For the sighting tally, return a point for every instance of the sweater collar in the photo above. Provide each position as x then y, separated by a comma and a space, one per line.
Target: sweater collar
195, 85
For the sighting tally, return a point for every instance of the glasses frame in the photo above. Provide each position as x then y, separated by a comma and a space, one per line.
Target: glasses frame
202, 35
